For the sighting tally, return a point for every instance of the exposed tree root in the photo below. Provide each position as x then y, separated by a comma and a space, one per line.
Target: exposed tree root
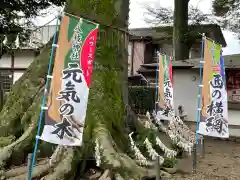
118, 176
21, 112
42, 168
17, 171
16, 150
17, 110
66, 168
4, 141
16, 147
118, 161
107, 175
20, 173
56, 156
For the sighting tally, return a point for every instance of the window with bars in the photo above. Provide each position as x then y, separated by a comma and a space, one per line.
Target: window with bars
6, 80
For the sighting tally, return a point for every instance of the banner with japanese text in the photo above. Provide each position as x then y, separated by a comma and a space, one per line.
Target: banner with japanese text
68, 95
165, 88
214, 104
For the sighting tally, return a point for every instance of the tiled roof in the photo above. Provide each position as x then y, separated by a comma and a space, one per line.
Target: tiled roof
165, 32
230, 61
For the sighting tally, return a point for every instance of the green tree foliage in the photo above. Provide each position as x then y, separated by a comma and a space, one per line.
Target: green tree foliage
180, 18
162, 16
15, 18
221, 7
228, 13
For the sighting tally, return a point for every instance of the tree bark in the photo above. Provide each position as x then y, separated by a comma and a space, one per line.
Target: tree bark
106, 99
180, 30
105, 120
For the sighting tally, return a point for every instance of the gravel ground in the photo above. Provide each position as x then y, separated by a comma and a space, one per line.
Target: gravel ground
221, 162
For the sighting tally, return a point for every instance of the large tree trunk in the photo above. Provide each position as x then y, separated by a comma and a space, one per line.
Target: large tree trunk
180, 30
105, 120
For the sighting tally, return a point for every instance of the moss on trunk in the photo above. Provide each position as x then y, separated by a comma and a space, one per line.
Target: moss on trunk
22, 95
105, 120
15, 152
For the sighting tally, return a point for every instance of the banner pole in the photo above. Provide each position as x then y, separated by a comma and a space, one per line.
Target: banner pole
157, 84
157, 168
54, 45
222, 65
29, 160
198, 105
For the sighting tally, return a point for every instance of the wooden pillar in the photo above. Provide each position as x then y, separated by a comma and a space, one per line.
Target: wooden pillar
132, 59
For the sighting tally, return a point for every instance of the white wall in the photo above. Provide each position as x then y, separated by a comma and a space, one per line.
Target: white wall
5, 61
194, 52
23, 59
17, 75
186, 91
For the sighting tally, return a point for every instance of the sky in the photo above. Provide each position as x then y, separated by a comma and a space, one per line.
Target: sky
137, 13
137, 18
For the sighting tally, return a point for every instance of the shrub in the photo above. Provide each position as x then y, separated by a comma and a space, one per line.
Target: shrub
142, 99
